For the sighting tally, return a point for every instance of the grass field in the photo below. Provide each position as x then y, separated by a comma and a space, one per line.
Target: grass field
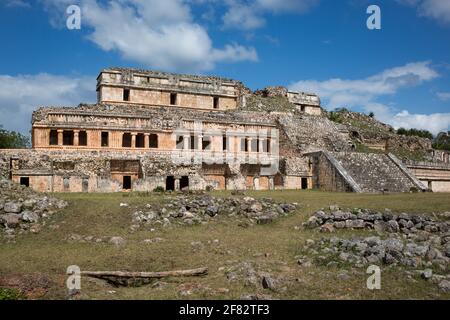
270, 248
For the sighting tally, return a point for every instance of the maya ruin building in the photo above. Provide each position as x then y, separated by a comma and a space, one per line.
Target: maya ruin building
169, 131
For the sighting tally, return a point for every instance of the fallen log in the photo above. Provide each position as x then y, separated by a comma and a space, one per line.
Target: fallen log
124, 278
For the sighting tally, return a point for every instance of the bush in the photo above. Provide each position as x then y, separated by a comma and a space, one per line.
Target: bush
159, 189
13, 140
415, 132
10, 294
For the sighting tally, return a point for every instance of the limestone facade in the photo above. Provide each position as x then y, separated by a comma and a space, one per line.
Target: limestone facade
153, 130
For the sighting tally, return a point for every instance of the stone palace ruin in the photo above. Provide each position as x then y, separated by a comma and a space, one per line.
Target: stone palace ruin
159, 130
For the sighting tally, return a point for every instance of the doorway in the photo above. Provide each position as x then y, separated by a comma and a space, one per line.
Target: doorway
170, 183
25, 181
184, 182
126, 182
304, 183
85, 185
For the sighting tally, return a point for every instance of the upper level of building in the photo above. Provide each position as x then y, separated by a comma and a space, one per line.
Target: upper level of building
141, 87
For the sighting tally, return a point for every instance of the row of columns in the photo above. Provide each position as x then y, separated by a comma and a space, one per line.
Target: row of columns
76, 137
187, 139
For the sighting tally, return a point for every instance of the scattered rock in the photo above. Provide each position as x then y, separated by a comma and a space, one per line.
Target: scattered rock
444, 285
118, 241
191, 209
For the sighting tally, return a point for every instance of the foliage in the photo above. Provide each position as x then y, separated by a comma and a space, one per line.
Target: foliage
10, 294
13, 140
159, 189
415, 132
371, 114
442, 141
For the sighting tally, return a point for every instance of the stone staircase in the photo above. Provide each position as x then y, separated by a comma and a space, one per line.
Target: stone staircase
374, 172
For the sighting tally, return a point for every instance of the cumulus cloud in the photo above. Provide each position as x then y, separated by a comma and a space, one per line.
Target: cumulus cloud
363, 93
157, 34
435, 9
351, 93
444, 96
21, 95
249, 15
17, 3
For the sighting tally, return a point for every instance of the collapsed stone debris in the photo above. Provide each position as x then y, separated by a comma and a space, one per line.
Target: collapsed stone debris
370, 219
408, 240
23, 210
196, 209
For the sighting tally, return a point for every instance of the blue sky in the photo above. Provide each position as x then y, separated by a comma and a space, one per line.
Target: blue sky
401, 72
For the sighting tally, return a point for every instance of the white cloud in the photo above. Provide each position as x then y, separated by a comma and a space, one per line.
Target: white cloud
21, 95
17, 3
363, 93
435, 123
157, 34
435, 9
444, 96
249, 15
353, 93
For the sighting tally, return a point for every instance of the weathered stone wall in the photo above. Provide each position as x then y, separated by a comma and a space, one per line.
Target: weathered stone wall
434, 175
155, 88
326, 176
374, 172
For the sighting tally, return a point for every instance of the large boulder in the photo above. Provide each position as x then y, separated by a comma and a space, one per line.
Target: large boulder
10, 220
12, 207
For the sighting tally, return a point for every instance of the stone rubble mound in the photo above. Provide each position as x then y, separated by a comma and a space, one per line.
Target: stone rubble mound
368, 219
22, 209
196, 209
408, 240
431, 252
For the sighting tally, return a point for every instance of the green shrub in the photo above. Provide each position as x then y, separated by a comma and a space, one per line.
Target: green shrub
10, 294
159, 189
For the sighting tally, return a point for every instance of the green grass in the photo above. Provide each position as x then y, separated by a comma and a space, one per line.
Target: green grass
271, 248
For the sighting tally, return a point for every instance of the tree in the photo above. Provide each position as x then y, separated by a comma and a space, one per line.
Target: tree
442, 141
415, 132
13, 140
371, 114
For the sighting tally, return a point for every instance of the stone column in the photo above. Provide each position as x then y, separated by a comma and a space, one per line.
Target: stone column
271, 183
146, 140
249, 144
186, 139
261, 145
76, 139
177, 183
200, 142
60, 137
133, 139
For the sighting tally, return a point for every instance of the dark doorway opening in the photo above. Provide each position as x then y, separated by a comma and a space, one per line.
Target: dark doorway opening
68, 138
126, 94
170, 183
126, 182
85, 185
140, 140
153, 141
173, 99
304, 183
126, 140
25, 181
53, 137
105, 139
82, 138
184, 182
